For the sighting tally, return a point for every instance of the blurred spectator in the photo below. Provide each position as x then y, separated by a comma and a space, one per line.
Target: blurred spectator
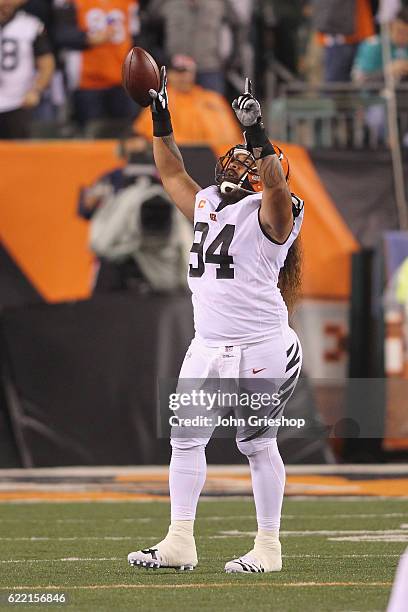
26, 67
52, 105
194, 28
96, 35
140, 239
311, 60
244, 65
198, 115
402, 284
305, 39
43, 10
136, 155
368, 65
387, 11
280, 22
342, 25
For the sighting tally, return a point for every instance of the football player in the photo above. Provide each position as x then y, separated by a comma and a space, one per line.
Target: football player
245, 230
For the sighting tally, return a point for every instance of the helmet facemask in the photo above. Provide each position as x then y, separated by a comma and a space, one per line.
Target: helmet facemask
236, 171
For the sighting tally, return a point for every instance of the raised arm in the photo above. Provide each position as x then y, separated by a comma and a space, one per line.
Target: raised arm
179, 185
276, 216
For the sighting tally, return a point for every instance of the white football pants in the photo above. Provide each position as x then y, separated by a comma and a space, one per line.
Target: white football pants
267, 367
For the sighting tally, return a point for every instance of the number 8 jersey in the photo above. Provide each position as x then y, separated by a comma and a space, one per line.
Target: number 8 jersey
22, 40
234, 271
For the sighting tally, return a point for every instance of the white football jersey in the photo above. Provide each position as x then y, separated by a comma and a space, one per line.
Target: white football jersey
17, 59
234, 271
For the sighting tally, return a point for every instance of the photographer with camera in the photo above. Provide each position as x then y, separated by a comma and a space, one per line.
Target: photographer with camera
140, 240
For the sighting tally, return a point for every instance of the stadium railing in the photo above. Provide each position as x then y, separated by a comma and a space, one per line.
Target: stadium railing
340, 115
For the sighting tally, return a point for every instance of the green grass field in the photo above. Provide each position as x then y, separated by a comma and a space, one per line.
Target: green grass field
80, 549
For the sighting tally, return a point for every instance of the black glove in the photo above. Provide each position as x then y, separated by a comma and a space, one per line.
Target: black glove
160, 107
248, 112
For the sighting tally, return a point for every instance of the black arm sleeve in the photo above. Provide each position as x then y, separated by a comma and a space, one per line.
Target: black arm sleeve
41, 44
67, 35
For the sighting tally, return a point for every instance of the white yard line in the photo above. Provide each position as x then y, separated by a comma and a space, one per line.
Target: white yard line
123, 560
63, 560
235, 533
71, 539
373, 538
331, 533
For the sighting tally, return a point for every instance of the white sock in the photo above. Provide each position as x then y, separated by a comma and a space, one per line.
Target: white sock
183, 529
178, 547
268, 484
187, 474
266, 539
267, 549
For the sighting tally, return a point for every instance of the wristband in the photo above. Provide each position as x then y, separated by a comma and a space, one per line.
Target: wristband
162, 123
257, 140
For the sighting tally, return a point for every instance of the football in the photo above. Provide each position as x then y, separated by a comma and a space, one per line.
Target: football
139, 74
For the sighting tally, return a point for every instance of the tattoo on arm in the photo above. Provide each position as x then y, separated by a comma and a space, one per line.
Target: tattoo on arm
271, 172
172, 147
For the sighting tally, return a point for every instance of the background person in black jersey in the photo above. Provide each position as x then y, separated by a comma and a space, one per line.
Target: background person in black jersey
26, 67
